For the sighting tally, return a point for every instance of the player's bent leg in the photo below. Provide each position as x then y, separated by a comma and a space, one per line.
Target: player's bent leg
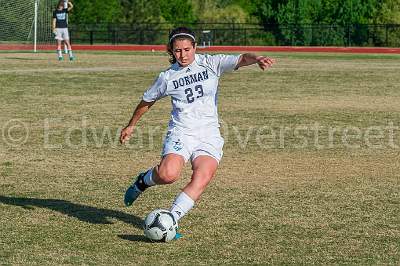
142, 182
133, 191
170, 169
204, 168
167, 172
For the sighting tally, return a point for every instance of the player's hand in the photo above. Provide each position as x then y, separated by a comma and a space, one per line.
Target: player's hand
264, 62
126, 134
54, 32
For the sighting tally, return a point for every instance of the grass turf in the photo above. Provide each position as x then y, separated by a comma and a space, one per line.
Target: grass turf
309, 174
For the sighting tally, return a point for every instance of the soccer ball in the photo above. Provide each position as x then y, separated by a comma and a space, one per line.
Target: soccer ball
160, 225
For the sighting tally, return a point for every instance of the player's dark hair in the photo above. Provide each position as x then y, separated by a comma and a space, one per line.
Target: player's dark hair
179, 33
61, 2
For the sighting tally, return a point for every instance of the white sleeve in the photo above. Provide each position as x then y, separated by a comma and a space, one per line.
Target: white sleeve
223, 63
157, 90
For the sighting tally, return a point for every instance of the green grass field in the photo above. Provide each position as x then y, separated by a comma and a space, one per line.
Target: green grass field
310, 173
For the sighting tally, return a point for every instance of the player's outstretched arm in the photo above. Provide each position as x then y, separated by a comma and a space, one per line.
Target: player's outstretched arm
141, 108
250, 59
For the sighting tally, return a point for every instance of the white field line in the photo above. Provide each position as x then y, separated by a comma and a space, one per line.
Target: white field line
75, 69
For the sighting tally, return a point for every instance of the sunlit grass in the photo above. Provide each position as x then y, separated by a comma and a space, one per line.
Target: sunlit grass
310, 173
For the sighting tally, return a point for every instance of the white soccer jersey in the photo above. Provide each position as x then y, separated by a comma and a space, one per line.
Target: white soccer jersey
193, 90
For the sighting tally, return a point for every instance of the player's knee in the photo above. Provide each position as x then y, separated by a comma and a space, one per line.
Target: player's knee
168, 175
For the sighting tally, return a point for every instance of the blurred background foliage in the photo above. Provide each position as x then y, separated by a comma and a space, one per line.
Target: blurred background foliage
232, 22
340, 12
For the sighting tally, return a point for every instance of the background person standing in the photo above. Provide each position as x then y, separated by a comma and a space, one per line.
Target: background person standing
60, 28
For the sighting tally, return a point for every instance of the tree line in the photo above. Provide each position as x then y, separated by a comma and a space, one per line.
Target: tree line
262, 12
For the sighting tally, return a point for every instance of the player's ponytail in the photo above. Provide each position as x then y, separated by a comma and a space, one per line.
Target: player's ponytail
180, 33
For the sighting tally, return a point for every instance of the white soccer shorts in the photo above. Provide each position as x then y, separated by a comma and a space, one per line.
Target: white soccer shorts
62, 34
191, 146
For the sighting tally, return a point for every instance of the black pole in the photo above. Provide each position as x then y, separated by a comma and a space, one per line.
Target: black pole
91, 37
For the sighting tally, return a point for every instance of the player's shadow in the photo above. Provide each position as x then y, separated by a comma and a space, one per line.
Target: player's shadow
84, 213
135, 238
25, 59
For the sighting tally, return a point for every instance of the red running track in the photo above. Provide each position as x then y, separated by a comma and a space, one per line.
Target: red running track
152, 48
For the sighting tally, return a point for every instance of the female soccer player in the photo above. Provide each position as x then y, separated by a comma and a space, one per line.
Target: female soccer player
193, 131
60, 28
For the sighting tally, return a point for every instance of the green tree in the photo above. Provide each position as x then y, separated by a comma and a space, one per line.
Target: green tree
141, 11
292, 18
208, 11
96, 11
177, 12
264, 11
388, 12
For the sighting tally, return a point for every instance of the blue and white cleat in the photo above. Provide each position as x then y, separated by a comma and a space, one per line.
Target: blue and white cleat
177, 236
133, 192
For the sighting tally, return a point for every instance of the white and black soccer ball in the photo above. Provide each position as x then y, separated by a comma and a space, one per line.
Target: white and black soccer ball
160, 225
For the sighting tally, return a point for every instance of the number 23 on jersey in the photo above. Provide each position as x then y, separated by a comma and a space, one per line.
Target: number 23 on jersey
192, 95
